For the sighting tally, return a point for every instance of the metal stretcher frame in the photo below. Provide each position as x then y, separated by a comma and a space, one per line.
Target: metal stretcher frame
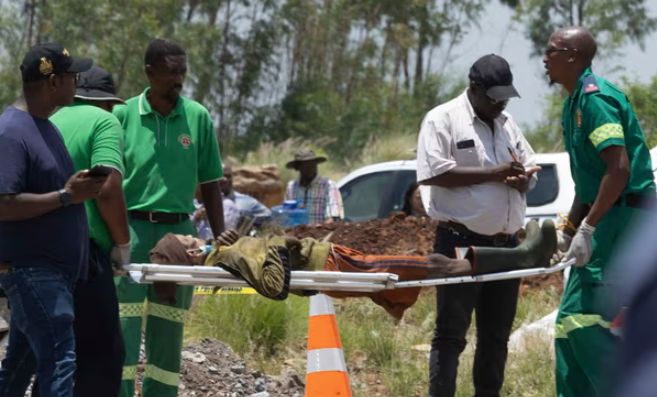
326, 281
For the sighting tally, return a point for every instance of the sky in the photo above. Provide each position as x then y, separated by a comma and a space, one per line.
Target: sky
497, 36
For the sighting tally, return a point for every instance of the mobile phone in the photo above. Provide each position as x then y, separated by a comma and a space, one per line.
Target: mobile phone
100, 170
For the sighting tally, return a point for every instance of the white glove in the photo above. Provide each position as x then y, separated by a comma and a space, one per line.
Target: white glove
581, 247
563, 241
120, 255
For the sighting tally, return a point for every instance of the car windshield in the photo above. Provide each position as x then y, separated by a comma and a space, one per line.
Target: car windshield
547, 187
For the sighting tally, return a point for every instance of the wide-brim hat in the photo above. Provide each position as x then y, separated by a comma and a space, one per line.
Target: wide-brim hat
304, 155
97, 84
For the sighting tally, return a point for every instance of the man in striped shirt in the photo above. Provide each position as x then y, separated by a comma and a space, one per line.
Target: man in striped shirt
319, 195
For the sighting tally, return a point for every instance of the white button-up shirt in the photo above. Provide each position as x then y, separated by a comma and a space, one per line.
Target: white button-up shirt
445, 141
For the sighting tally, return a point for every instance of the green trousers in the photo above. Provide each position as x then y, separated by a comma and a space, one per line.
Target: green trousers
585, 348
164, 323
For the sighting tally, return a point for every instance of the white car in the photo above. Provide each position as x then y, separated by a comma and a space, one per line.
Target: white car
377, 190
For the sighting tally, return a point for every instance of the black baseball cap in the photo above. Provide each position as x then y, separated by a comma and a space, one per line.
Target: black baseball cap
97, 84
45, 59
493, 72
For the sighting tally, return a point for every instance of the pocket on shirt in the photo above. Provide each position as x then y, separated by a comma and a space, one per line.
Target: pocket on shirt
467, 157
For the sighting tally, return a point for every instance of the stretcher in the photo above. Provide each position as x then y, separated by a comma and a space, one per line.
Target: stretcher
204, 276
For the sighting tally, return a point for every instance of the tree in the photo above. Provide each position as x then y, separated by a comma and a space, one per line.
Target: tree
363, 67
613, 23
267, 70
643, 98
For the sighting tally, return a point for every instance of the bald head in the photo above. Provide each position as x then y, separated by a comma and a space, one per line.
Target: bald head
578, 38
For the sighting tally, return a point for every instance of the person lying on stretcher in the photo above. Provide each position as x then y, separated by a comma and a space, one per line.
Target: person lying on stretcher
265, 263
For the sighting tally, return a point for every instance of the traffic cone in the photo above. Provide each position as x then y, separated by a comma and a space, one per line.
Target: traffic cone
616, 326
326, 371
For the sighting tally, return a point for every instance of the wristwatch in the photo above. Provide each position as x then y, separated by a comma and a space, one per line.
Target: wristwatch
64, 197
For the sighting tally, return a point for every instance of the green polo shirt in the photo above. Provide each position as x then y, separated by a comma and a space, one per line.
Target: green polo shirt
166, 157
93, 136
596, 116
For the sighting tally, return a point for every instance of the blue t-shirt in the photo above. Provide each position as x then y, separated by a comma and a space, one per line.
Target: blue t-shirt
34, 159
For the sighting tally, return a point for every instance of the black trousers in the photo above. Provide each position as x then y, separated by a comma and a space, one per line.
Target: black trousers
494, 303
99, 348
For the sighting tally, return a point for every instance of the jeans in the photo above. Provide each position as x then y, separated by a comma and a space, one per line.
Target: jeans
41, 337
494, 303
98, 338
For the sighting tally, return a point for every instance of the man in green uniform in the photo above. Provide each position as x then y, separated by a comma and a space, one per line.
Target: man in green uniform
170, 148
610, 164
94, 137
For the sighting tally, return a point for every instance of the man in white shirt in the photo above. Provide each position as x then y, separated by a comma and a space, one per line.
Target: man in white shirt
474, 167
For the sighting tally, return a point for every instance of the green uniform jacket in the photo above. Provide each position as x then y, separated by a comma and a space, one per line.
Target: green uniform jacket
598, 115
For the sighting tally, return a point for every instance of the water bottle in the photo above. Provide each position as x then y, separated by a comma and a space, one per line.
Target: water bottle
290, 213
300, 214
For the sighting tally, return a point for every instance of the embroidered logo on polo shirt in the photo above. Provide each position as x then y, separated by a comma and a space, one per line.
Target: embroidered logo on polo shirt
185, 140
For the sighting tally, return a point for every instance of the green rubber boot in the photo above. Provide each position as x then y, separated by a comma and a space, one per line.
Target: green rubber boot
536, 251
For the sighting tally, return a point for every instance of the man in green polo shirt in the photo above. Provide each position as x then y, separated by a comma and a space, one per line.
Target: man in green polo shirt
170, 148
93, 137
610, 164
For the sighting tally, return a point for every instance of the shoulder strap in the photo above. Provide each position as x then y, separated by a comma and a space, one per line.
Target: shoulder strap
590, 84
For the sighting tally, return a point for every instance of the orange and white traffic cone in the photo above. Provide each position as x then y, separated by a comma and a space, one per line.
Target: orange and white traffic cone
326, 371
616, 326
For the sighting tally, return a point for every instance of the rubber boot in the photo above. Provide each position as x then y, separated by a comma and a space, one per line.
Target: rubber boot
439, 266
536, 251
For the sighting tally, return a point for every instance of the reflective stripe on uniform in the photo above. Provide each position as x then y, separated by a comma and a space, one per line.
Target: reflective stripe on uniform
175, 314
131, 309
129, 372
606, 131
160, 375
577, 321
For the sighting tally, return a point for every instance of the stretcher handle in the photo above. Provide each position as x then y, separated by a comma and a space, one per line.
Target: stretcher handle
487, 277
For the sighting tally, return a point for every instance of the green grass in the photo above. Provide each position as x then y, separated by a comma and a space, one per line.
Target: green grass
252, 325
373, 342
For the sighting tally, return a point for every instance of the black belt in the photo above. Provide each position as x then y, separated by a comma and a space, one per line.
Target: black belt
165, 218
498, 240
634, 200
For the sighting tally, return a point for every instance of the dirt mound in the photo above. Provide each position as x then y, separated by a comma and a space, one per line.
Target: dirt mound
261, 182
399, 235
210, 368
396, 235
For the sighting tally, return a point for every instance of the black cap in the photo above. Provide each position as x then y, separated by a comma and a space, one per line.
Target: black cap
97, 84
45, 59
493, 72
